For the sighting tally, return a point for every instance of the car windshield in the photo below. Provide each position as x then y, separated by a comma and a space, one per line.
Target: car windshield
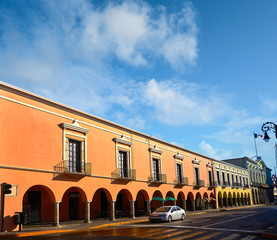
163, 209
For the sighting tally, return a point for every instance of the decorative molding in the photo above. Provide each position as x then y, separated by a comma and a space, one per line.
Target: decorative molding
178, 156
195, 161
75, 126
155, 150
123, 140
209, 165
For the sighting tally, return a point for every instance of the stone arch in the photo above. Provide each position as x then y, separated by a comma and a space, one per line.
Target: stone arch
141, 203
156, 203
220, 200
230, 200
249, 199
169, 199
238, 199
241, 199
73, 205
198, 201
181, 200
38, 201
245, 199
225, 199
190, 202
212, 200
123, 203
206, 201
100, 206
234, 198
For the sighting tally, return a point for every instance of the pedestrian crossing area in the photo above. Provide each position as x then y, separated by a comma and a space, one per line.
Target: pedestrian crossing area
172, 233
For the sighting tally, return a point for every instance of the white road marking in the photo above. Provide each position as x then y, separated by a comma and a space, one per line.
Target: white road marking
232, 236
230, 220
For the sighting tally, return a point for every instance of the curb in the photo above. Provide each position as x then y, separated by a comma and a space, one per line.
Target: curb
38, 233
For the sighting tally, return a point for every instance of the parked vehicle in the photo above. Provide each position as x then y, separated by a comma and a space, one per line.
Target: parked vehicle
167, 213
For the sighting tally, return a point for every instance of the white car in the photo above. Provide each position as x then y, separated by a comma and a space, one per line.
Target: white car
167, 213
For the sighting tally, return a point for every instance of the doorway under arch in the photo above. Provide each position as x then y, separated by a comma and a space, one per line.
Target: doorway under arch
38, 203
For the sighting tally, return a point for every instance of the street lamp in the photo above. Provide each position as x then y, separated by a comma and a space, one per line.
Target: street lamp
266, 127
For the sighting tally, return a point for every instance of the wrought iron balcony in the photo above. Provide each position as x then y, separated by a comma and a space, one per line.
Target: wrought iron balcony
225, 184
181, 181
158, 178
213, 184
124, 174
73, 168
237, 185
199, 183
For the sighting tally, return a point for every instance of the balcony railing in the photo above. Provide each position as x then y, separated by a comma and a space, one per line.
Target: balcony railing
225, 184
181, 181
237, 185
213, 184
158, 178
199, 183
73, 168
124, 174
256, 184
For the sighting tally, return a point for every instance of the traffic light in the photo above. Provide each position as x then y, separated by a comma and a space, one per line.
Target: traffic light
7, 188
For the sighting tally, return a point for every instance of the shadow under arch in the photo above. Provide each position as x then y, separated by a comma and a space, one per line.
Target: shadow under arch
220, 200
38, 203
100, 206
123, 203
141, 203
169, 199
156, 203
181, 200
190, 202
73, 204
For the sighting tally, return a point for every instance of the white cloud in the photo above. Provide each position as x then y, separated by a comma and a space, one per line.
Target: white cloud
133, 32
217, 154
178, 103
269, 104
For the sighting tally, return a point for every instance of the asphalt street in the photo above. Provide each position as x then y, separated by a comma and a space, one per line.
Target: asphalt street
224, 225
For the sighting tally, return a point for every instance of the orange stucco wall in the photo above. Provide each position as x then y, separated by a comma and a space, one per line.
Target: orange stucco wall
32, 144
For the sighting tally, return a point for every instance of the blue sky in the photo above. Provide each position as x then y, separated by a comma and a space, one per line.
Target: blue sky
200, 74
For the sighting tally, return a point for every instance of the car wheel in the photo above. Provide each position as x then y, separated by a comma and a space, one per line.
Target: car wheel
183, 217
169, 218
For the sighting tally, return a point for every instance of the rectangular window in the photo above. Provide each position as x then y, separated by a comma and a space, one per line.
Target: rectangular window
240, 181
228, 179
223, 178
74, 155
197, 177
232, 178
179, 173
218, 177
210, 178
247, 181
156, 169
237, 179
123, 164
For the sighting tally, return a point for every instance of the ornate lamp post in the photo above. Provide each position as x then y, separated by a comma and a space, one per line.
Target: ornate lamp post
266, 127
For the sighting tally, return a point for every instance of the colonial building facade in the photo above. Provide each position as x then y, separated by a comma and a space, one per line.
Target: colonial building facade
232, 185
257, 171
65, 164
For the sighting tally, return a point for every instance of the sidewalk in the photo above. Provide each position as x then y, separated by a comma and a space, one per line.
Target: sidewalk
79, 225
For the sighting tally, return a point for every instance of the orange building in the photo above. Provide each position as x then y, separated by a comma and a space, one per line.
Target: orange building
67, 164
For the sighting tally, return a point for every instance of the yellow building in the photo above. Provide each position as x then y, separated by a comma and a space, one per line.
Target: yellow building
232, 185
